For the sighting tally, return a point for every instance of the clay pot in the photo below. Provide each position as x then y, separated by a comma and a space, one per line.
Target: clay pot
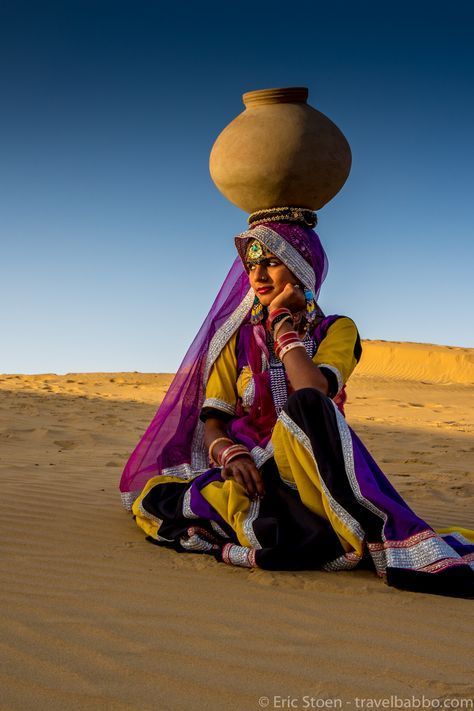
280, 152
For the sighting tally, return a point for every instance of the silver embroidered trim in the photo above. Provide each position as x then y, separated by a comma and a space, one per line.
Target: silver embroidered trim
187, 510
147, 514
199, 455
348, 454
182, 471
285, 251
254, 510
419, 555
344, 562
249, 393
219, 340
128, 497
416, 556
337, 373
278, 380
218, 529
239, 555
351, 523
261, 455
155, 519
226, 331
289, 483
219, 405
195, 543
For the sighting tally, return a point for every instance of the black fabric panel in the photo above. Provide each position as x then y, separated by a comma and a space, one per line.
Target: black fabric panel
165, 501
332, 381
455, 582
357, 348
314, 413
291, 536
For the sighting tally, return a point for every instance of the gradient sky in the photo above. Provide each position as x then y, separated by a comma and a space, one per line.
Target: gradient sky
114, 239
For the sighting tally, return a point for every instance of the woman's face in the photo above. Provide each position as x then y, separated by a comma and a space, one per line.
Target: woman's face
268, 276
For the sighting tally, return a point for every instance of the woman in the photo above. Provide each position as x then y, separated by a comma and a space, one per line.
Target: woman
250, 458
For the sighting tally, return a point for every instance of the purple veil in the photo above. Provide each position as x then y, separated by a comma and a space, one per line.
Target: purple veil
173, 443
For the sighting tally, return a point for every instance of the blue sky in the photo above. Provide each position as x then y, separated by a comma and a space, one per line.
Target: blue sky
114, 239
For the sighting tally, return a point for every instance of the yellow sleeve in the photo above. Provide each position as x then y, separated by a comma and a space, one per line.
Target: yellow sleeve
221, 389
340, 349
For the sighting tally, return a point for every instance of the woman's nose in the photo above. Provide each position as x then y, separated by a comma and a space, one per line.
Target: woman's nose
260, 273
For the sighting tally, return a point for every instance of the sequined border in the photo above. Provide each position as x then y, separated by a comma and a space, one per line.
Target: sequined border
252, 515
182, 471
348, 455
187, 510
248, 395
128, 497
239, 555
218, 529
423, 551
155, 519
261, 455
289, 483
148, 515
219, 405
348, 561
340, 512
226, 331
282, 249
196, 543
219, 340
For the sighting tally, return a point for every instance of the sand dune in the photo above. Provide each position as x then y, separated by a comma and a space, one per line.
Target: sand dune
417, 361
96, 618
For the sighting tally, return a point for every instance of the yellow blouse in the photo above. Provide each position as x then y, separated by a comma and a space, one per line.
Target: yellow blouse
338, 352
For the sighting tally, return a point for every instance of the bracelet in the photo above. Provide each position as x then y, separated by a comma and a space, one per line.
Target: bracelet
273, 315
211, 448
285, 349
287, 336
277, 316
279, 324
243, 452
231, 452
284, 340
289, 347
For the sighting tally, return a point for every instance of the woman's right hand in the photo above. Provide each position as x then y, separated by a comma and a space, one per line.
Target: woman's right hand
243, 470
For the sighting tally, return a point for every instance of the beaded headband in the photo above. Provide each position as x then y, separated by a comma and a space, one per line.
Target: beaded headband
300, 215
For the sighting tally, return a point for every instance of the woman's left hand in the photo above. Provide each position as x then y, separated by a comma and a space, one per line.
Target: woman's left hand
292, 297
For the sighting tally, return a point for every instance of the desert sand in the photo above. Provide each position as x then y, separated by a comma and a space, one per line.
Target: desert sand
94, 617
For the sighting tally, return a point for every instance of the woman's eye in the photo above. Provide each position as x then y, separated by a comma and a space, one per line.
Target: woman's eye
273, 263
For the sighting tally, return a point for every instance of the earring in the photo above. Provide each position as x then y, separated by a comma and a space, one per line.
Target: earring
310, 306
256, 314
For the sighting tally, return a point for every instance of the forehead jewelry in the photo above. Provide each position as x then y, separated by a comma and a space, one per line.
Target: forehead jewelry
256, 252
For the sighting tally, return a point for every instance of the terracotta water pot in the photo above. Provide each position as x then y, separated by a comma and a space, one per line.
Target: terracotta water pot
280, 152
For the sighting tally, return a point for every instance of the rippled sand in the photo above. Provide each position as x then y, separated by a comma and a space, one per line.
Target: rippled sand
93, 617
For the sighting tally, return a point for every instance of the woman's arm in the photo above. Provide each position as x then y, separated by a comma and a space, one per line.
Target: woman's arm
300, 369
242, 469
